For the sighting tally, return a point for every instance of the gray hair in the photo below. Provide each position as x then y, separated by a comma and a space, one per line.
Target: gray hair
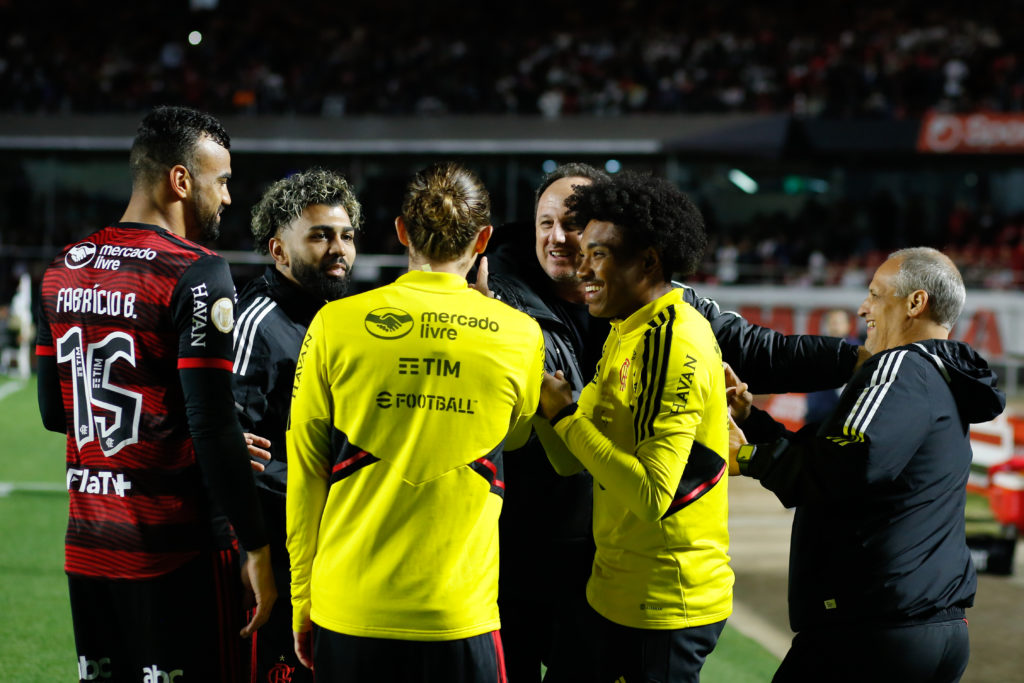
931, 270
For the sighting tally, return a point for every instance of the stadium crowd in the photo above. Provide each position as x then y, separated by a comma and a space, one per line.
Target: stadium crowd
779, 249
769, 248
830, 59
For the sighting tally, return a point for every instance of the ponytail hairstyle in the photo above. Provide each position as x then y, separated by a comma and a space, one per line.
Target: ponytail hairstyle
444, 209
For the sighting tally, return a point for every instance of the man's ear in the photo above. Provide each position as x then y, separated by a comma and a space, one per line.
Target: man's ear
277, 251
650, 262
180, 180
917, 302
403, 234
482, 238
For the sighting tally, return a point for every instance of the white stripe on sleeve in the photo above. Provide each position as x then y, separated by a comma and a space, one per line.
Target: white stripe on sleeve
872, 396
253, 316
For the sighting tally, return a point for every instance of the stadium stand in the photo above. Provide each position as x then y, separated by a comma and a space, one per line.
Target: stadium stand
871, 61
828, 59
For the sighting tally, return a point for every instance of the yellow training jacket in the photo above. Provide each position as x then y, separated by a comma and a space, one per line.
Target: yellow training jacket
653, 430
403, 399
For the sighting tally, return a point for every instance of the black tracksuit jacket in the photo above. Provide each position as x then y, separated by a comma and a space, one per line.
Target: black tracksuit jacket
274, 314
880, 487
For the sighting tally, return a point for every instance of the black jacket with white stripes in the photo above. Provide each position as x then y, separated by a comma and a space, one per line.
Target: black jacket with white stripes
880, 487
274, 314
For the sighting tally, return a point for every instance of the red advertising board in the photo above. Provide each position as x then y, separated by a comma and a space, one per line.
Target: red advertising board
981, 133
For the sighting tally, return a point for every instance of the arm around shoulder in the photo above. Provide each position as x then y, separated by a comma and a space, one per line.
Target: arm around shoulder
766, 359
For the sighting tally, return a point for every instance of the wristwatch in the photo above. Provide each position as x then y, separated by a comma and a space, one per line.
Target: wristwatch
743, 456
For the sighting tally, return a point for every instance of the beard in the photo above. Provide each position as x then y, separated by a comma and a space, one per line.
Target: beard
315, 281
209, 225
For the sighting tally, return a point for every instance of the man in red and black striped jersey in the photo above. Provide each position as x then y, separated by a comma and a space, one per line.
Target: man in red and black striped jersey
135, 366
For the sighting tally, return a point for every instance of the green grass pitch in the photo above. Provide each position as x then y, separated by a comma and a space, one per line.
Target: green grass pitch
36, 641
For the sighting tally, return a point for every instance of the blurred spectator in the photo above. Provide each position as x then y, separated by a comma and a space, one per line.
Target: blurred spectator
16, 331
8, 336
873, 59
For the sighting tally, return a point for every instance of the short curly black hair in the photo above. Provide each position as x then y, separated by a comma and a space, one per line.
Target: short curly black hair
651, 212
286, 199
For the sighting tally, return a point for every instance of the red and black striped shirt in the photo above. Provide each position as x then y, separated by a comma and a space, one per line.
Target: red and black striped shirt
122, 311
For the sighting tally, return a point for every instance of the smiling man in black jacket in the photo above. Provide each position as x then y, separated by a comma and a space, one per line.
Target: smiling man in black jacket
880, 572
307, 224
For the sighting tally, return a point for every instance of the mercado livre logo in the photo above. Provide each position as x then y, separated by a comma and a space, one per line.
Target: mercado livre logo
388, 323
79, 255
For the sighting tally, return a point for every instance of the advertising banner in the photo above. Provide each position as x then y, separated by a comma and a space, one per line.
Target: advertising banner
982, 133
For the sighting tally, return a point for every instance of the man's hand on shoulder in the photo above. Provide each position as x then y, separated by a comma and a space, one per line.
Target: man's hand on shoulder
481, 279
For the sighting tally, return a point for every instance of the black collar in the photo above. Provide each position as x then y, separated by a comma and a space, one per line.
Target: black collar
297, 301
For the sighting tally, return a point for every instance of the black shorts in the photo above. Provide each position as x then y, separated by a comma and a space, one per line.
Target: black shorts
180, 626
637, 654
353, 659
922, 653
545, 617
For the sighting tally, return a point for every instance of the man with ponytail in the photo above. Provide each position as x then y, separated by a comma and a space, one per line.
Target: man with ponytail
400, 414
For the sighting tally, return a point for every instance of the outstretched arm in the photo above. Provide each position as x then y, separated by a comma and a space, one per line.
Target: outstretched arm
774, 363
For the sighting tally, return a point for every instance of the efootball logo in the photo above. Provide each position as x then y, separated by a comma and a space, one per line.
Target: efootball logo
80, 255
388, 323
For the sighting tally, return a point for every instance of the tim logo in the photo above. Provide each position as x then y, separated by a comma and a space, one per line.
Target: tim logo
388, 323
280, 673
80, 255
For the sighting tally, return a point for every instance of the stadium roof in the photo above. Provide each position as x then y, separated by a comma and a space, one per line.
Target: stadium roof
641, 135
